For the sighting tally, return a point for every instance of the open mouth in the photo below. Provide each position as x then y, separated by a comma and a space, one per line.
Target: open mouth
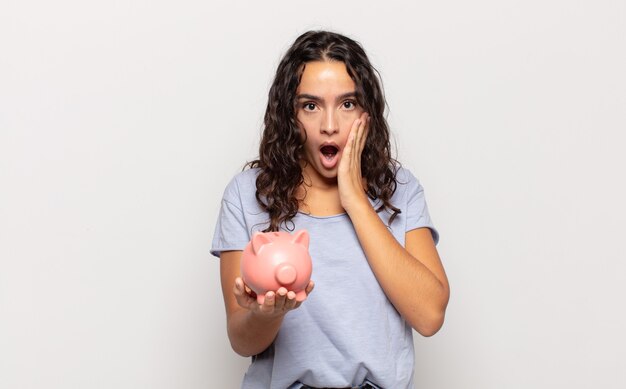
329, 155
329, 151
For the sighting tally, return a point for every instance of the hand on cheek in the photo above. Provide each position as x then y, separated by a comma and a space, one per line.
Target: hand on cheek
349, 176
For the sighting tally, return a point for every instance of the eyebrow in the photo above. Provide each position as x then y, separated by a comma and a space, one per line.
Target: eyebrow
317, 98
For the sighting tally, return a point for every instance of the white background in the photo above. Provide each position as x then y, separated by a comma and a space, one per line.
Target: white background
121, 123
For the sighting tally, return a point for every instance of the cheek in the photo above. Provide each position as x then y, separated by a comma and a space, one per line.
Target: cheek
307, 123
307, 136
347, 120
303, 125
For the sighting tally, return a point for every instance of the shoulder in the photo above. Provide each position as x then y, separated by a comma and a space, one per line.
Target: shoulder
241, 186
404, 176
406, 182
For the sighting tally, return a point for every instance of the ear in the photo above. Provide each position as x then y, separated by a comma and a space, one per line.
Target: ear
301, 237
258, 240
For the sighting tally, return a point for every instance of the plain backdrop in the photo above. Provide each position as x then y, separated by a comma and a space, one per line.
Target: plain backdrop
121, 123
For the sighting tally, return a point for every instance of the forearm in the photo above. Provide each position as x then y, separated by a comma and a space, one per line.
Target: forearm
250, 333
414, 290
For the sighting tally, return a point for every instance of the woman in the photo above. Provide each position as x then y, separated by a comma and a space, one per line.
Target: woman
325, 166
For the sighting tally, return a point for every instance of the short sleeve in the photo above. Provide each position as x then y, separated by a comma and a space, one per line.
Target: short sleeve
231, 232
417, 215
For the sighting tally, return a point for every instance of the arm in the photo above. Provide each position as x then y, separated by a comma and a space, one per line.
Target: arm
251, 327
413, 278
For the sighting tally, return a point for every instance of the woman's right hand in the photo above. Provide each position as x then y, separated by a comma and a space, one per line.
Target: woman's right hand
276, 303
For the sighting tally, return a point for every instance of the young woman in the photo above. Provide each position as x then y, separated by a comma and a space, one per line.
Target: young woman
325, 166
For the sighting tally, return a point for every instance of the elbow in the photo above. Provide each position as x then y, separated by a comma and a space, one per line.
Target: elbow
431, 325
245, 350
244, 347
241, 351
246, 341
237, 345
431, 321
240, 348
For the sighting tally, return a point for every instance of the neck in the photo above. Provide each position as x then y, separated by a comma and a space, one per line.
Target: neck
315, 180
319, 195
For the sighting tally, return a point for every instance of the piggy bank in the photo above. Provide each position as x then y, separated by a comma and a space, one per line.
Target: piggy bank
274, 259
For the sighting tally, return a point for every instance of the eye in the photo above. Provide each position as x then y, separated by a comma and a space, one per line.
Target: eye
349, 104
308, 107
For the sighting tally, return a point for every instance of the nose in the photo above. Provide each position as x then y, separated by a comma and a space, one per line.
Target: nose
330, 123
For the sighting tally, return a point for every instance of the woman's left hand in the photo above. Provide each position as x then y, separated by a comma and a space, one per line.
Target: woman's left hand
349, 177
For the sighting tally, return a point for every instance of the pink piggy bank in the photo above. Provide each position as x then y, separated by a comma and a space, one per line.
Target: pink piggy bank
274, 259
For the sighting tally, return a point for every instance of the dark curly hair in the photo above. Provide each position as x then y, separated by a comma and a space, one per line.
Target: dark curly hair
281, 147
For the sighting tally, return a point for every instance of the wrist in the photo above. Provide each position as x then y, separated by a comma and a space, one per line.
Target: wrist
358, 205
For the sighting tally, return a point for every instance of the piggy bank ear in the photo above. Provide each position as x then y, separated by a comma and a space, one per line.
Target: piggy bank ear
258, 240
301, 237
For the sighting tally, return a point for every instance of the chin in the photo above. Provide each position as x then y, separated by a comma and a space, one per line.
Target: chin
329, 175
325, 173
321, 172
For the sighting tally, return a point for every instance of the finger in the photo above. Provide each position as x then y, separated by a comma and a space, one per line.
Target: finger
238, 287
350, 142
358, 140
247, 291
268, 304
362, 137
310, 287
243, 299
281, 295
290, 303
364, 132
357, 133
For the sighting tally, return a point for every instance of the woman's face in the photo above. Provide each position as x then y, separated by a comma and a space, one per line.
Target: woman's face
326, 108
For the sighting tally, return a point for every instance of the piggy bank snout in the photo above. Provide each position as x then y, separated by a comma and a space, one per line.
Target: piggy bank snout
285, 274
